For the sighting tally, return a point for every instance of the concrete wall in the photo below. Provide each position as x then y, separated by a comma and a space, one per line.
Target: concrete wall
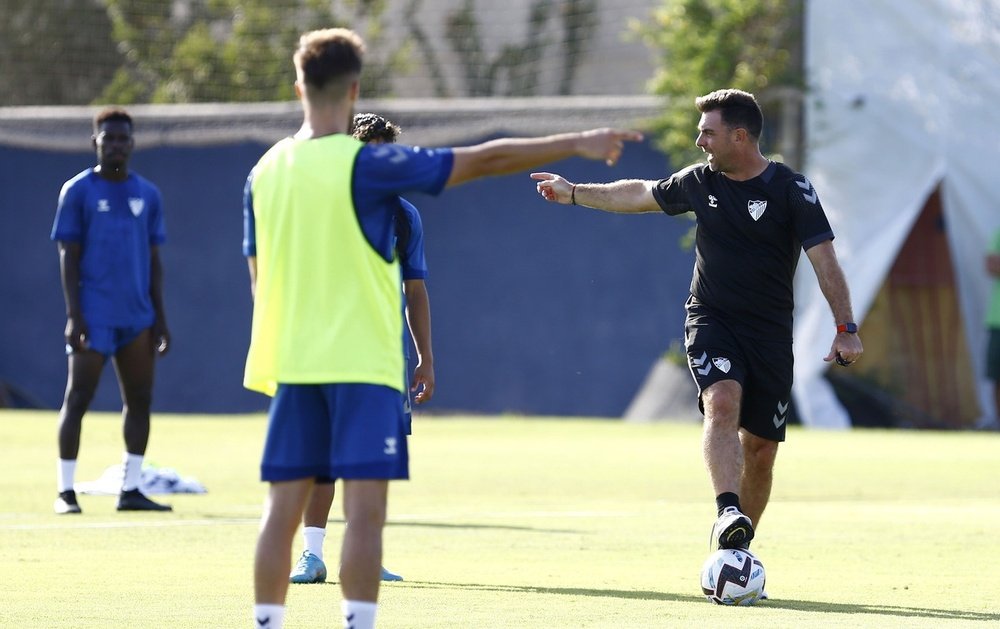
536, 308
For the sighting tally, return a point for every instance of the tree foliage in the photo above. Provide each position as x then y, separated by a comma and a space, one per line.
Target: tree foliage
520, 62
230, 50
37, 36
704, 45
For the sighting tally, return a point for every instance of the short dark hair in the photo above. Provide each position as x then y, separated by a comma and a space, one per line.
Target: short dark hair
115, 114
738, 109
329, 58
370, 127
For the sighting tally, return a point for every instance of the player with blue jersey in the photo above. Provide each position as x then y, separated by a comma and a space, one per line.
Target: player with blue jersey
109, 226
326, 336
409, 247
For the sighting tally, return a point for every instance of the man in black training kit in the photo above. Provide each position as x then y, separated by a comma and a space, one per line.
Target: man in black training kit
754, 216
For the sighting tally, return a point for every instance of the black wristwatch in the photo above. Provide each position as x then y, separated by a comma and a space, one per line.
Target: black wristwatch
850, 328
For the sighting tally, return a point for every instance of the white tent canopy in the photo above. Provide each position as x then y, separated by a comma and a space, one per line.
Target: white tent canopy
903, 97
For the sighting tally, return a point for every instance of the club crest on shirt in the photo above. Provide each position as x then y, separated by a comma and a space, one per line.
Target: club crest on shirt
756, 208
713, 201
136, 205
722, 364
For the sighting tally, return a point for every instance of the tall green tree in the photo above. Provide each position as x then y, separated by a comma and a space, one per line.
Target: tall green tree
54, 52
232, 50
515, 69
704, 45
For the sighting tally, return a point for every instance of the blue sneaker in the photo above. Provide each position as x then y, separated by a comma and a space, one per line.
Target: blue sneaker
308, 569
389, 576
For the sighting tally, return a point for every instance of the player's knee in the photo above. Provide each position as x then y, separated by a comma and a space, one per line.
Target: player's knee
138, 400
760, 453
367, 514
76, 402
722, 406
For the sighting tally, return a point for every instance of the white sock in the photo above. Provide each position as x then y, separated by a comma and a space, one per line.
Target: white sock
132, 468
358, 614
268, 616
65, 473
314, 537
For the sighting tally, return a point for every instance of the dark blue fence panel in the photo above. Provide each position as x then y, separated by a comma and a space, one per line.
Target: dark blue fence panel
536, 308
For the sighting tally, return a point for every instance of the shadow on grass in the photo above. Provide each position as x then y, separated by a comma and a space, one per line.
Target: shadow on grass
820, 607
468, 526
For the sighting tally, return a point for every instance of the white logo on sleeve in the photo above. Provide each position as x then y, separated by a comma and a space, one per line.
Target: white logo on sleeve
393, 152
103, 205
136, 205
390, 446
808, 187
722, 364
756, 208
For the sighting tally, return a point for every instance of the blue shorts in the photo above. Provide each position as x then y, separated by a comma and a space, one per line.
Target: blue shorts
350, 431
108, 341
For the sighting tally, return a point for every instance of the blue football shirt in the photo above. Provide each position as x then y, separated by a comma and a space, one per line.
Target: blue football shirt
381, 173
116, 224
410, 242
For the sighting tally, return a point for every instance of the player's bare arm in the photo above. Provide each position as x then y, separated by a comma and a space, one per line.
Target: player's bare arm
160, 333
69, 271
252, 267
625, 196
418, 318
834, 286
508, 155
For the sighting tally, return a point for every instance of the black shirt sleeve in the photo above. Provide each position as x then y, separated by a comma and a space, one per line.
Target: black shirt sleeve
808, 218
671, 194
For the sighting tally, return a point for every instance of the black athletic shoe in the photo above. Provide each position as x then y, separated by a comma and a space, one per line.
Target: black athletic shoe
731, 530
66, 503
135, 500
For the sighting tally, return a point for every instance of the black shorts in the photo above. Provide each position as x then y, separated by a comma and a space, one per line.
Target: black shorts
763, 369
993, 355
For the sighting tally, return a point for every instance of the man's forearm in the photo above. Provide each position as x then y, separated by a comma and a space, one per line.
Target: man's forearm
156, 286
418, 318
69, 274
626, 196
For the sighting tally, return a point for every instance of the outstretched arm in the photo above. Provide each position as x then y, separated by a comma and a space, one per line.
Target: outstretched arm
508, 155
418, 318
626, 196
834, 286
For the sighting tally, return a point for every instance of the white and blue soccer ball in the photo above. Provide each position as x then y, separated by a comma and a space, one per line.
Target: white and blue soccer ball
732, 577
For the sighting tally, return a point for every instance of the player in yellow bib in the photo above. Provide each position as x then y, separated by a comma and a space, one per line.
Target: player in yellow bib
326, 339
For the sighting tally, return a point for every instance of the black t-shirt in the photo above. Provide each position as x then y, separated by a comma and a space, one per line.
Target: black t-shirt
749, 237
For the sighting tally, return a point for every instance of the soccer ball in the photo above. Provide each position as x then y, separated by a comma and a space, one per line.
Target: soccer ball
732, 577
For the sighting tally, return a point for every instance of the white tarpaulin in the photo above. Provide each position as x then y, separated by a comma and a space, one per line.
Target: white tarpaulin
904, 95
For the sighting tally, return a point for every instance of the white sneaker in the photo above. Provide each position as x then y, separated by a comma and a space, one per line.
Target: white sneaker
731, 530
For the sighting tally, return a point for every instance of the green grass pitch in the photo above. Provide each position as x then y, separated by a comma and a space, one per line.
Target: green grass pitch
518, 522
